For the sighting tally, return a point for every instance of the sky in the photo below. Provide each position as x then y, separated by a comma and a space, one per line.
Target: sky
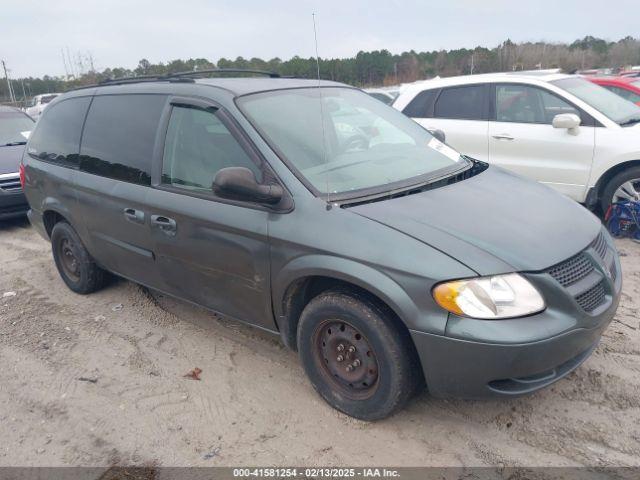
118, 33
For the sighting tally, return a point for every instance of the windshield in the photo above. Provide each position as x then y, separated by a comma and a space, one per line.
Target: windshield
616, 108
14, 128
367, 145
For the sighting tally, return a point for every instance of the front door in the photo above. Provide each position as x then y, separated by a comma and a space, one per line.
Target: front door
523, 140
209, 251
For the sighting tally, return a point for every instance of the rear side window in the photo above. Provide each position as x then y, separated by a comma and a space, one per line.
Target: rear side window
464, 103
197, 146
57, 135
626, 94
119, 136
422, 105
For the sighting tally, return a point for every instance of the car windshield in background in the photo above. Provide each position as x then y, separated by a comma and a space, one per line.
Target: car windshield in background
608, 103
47, 98
368, 146
14, 128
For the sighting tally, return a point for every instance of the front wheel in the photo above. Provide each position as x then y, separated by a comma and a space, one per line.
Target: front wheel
623, 187
356, 356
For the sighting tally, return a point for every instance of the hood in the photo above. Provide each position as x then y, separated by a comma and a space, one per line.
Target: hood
494, 222
10, 158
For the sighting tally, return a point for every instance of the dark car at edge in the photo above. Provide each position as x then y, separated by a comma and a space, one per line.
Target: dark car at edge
15, 127
313, 211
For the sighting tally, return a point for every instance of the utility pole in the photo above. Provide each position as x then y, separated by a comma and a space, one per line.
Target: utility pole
11, 97
64, 62
472, 64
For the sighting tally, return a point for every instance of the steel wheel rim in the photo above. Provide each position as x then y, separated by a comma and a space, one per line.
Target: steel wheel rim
68, 259
628, 191
346, 359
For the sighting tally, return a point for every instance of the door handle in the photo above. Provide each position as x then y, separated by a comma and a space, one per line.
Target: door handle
166, 224
133, 215
503, 136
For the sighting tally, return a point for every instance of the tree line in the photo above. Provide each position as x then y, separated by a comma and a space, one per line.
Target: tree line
374, 68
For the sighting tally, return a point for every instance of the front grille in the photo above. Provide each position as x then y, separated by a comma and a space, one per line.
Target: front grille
592, 298
613, 270
572, 270
10, 182
600, 245
582, 279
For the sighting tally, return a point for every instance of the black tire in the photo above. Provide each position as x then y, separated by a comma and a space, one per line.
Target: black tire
75, 265
398, 373
612, 185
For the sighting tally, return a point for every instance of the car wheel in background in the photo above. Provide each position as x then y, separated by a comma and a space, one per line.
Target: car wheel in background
622, 187
356, 355
75, 265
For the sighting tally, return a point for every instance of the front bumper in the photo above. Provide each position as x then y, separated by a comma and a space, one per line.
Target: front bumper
12, 204
464, 369
478, 358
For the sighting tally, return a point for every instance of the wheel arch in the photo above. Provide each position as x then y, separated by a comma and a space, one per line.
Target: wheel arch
54, 210
608, 175
302, 280
50, 218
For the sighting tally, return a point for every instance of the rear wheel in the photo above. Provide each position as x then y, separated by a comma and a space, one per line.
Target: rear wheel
356, 356
624, 186
75, 265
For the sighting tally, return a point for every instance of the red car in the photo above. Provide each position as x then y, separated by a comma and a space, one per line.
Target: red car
627, 87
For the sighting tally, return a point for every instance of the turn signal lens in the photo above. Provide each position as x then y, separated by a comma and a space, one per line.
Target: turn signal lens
500, 296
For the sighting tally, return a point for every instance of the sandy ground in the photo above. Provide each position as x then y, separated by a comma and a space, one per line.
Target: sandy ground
99, 380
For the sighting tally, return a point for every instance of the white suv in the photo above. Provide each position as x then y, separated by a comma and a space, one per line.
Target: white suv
39, 103
561, 130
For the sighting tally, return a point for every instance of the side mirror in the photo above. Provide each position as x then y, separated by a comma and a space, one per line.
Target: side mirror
570, 121
439, 134
239, 183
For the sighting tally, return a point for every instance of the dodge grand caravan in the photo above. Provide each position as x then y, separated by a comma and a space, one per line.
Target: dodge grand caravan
313, 211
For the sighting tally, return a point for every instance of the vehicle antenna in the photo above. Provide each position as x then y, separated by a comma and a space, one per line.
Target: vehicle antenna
324, 143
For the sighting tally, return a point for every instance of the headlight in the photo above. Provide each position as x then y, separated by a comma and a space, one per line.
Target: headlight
500, 296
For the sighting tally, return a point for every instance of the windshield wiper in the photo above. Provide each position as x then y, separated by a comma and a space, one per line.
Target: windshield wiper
13, 144
631, 121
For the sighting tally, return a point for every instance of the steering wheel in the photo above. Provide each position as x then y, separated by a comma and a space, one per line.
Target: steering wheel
356, 141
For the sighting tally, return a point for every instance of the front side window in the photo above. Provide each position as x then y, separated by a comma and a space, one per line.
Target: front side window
609, 104
197, 146
463, 103
15, 128
119, 136
527, 104
341, 140
56, 137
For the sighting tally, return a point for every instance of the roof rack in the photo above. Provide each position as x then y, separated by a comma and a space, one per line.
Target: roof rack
223, 70
134, 79
176, 77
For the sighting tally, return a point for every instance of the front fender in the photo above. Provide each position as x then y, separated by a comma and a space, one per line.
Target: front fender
364, 276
